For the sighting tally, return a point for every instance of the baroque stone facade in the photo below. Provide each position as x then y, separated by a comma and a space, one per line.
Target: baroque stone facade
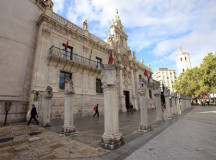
36, 55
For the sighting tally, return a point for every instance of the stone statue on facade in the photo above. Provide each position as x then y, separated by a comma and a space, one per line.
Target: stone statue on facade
134, 55
85, 25
36, 96
69, 86
48, 92
142, 61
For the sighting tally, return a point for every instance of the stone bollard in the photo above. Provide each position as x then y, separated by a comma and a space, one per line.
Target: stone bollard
47, 107
144, 126
68, 127
159, 113
111, 138
167, 101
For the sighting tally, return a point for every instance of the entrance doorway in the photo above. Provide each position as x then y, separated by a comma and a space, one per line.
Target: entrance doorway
127, 99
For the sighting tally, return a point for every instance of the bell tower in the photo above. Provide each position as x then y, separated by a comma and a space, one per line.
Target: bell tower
183, 61
117, 35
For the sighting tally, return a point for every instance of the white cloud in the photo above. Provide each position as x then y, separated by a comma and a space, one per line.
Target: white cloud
165, 24
58, 5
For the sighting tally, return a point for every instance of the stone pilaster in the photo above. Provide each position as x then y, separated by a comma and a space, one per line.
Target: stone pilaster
167, 101
144, 126
159, 113
111, 138
47, 107
133, 91
68, 127
122, 96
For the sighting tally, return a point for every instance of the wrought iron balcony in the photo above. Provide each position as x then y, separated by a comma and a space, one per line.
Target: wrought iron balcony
70, 57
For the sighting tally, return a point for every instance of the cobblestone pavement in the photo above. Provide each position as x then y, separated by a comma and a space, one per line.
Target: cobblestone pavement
192, 137
19, 141
90, 130
33, 142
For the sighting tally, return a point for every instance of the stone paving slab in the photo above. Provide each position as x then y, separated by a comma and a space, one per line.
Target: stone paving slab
46, 145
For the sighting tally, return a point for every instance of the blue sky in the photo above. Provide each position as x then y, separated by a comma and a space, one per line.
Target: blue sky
155, 28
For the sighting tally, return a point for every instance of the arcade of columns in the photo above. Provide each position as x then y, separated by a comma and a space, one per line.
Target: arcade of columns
112, 138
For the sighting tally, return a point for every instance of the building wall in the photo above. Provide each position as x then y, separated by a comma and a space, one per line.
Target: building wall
18, 34
166, 76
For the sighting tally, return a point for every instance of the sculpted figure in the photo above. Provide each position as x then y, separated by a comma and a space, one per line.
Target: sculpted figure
85, 25
134, 55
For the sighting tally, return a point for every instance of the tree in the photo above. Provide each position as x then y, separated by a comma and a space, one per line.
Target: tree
198, 81
208, 69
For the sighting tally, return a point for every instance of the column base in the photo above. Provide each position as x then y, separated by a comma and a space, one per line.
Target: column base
68, 130
47, 124
159, 121
144, 127
112, 143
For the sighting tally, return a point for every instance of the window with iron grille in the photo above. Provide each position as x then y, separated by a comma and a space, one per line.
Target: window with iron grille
63, 77
98, 62
99, 88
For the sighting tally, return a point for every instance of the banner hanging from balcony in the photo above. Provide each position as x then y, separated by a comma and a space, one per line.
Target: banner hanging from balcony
149, 78
110, 58
146, 74
66, 45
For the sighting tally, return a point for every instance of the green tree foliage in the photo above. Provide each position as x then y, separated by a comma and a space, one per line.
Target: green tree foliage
198, 81
208, 69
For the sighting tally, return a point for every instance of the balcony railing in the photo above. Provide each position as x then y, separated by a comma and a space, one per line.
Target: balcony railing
61, 53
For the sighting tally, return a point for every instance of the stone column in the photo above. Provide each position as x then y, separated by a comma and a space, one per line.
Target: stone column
182, 103
111, 138
68, 127
144, 126
122, 97
178, 104
47, 107
159, 113
173, 98
167, 101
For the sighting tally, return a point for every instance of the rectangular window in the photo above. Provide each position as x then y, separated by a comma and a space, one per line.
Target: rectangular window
150, 94
185, 58
181, 59
67, 52
63, 77
98, 62
99, 88
140, 76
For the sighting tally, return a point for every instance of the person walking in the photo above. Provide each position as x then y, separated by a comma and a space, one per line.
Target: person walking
96, 111
33, 114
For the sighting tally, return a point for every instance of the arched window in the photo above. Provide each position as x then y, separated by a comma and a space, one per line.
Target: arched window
181, 59
185, 58
183, 70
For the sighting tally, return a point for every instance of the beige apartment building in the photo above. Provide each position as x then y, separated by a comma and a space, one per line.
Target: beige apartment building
33, 56
166, 76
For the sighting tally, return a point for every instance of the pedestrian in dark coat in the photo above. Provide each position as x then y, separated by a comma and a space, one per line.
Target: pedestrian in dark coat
33, 114
96, 111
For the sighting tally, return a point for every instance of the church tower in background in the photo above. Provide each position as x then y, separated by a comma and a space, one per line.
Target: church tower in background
183, 61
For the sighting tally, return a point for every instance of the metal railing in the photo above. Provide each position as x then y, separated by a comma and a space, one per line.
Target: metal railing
61, 53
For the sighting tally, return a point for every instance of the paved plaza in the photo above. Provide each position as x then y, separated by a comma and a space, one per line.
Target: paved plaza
190, 136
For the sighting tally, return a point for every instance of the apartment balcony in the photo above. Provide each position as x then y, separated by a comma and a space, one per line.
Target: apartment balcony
65, 58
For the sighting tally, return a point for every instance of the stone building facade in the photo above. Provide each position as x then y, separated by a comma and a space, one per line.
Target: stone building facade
36, 55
